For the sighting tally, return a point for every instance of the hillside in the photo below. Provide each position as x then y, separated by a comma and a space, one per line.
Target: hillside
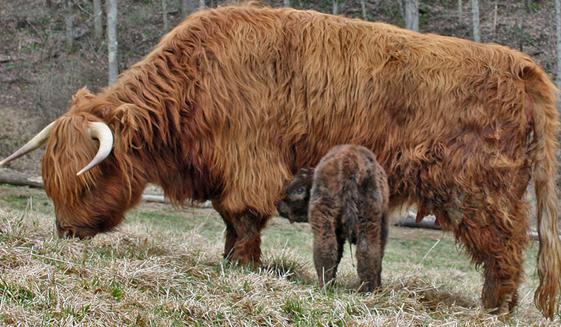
38, 76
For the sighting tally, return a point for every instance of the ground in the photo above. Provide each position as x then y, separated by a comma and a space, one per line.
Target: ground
163, 266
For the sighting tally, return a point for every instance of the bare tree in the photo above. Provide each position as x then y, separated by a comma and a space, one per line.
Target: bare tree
401, 5
335, 7
165, 14
69, 24
202, 4
98, 19
112, 44
460, 12
412, 14
558, 36
187, 7
363, 9
286, 3
475, 20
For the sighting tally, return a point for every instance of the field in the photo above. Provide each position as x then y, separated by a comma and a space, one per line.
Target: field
163, 267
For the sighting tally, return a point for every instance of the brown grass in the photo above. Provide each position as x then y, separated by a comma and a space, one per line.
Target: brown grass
164, 267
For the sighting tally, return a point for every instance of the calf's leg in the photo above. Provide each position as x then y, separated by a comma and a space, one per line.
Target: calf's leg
327, 247
369, 253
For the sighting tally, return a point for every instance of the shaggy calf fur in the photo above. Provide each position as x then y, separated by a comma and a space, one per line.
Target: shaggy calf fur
346, 197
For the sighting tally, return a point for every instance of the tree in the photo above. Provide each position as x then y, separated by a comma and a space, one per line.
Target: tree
112, 44
187, 7
412, 14
335, 7
286, 3
558, 37
98, 19
69, 24
165, 14
460, 12
202, 4
475, 20
363, 9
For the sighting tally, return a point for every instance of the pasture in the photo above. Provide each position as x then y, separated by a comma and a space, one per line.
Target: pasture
164, 267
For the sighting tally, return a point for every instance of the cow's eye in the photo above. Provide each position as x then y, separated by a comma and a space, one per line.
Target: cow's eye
301, 190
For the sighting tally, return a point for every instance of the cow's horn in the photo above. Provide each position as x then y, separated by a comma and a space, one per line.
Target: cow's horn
102, 133
33, 144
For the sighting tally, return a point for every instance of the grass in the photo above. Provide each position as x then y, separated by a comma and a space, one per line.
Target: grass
163, 267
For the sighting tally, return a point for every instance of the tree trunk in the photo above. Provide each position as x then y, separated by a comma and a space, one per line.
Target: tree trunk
401, 5
202, 4
335, 7
98, 19
475, 20
112, 44
363, 8
558, 37
412, 15
69, 25
460, 12
286, 3
165, 15
188, 7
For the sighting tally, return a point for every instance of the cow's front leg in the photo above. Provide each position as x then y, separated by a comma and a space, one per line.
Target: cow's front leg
247, 246
230, 234
242, 236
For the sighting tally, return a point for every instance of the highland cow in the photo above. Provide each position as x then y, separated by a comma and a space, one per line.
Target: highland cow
347, 195
235, 100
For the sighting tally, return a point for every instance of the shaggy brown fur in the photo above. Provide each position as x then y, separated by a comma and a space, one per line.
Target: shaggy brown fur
347, 195
236, 99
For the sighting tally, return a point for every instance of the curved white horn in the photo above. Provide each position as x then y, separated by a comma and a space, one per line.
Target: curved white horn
102, 133
33, 144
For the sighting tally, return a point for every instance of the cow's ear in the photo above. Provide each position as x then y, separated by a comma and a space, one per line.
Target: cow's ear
133, 126
81, 96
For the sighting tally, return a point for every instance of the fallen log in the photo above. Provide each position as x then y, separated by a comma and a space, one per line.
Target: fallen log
409, 221
13, 177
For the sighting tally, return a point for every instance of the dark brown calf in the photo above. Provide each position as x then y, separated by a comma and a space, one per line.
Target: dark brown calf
345, 197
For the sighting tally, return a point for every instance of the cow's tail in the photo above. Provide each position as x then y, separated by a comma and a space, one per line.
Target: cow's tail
542, 105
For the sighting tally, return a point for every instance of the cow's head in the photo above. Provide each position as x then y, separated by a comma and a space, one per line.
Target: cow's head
89, 183
296, 197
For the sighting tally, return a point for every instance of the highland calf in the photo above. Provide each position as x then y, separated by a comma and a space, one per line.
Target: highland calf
235, 100
347, 196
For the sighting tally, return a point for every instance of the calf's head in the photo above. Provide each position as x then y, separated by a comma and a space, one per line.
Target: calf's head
296, 197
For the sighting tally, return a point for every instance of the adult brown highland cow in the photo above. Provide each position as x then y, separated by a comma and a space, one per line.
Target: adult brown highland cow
345, 197
234, 100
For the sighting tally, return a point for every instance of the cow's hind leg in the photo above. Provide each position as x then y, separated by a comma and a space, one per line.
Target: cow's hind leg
496, 237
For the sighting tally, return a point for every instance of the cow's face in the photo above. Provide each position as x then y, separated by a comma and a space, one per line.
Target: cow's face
89, 183
296, 197
87, 201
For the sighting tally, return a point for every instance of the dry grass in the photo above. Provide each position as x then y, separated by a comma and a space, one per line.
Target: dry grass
163, 268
